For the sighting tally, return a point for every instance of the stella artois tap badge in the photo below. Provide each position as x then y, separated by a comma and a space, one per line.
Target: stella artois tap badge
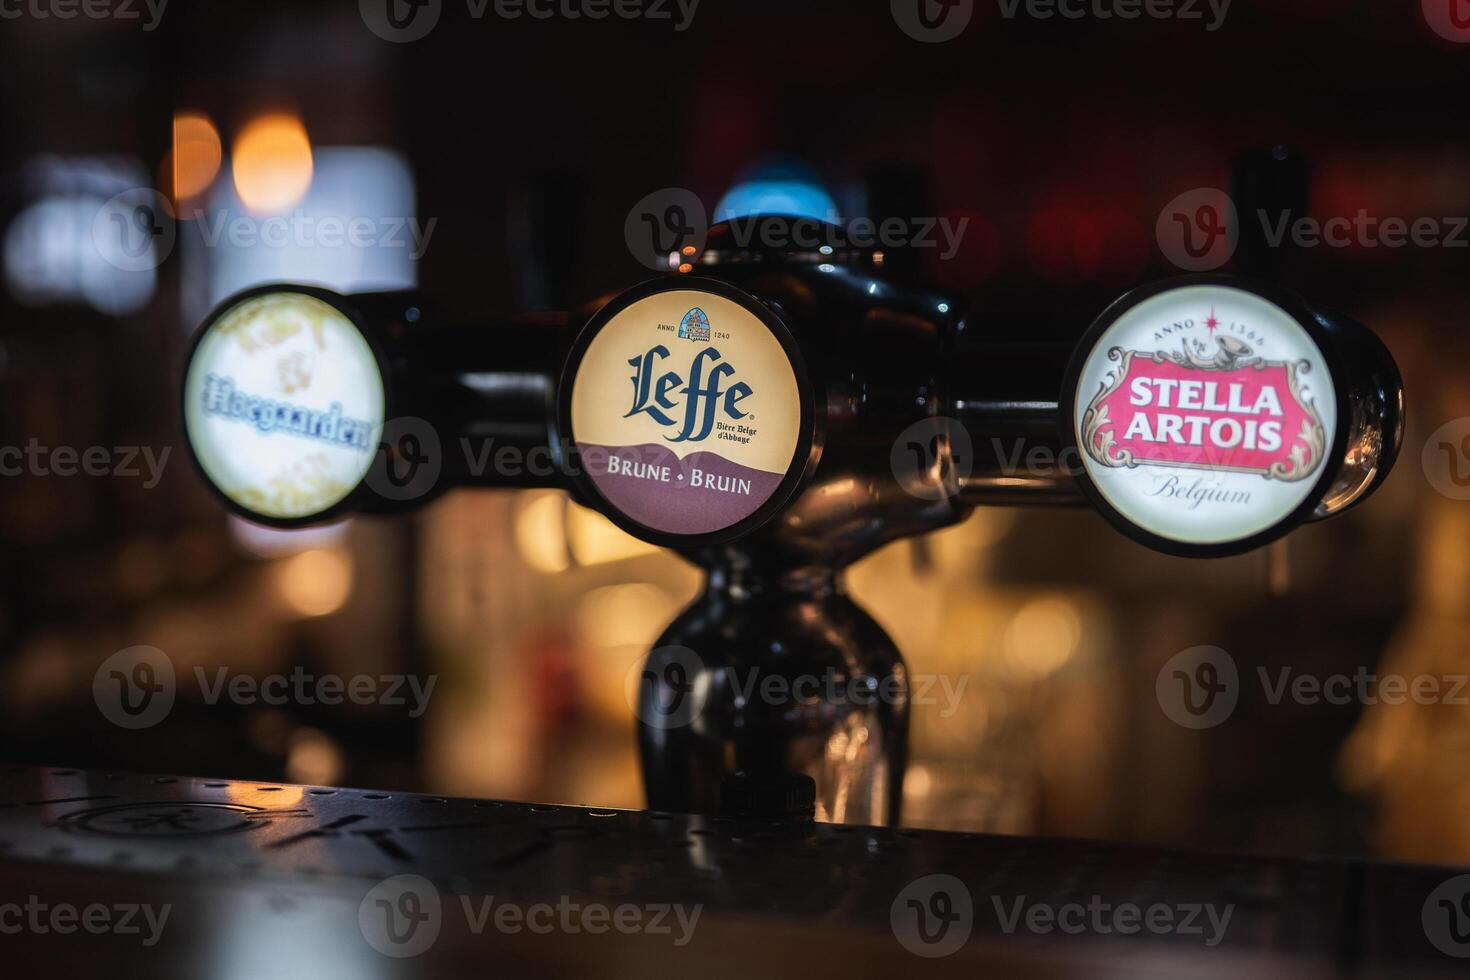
1204, 414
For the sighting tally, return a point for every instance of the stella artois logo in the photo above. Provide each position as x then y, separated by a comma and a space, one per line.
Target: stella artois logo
1223, 410
1204, 414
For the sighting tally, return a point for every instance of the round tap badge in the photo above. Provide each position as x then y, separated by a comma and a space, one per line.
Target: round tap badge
1204, 416
689, 410
283, 405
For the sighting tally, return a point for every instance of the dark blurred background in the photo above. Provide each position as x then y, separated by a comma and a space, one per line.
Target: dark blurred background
520, 146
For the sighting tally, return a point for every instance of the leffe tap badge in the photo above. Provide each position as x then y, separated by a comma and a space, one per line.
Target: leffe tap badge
690, 410
1205, 414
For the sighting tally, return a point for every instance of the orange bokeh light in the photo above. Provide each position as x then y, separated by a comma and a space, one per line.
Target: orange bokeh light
272, 163
196, 154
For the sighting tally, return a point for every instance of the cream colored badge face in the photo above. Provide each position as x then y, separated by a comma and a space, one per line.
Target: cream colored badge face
686, 412
1204, 414
283, 404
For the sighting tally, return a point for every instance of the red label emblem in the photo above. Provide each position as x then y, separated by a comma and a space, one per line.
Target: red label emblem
1232, 412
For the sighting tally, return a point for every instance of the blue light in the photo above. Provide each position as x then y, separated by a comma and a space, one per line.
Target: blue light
789, 189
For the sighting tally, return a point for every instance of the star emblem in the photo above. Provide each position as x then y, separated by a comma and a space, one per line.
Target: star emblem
1212, 322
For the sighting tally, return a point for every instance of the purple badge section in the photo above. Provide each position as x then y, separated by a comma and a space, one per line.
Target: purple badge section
701, 493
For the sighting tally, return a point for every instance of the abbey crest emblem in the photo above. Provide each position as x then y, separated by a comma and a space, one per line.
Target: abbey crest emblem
1211, 404
694, 326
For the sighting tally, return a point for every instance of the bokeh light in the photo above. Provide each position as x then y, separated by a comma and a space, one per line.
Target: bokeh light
1042, 636
272, 163
315, 582
196, 154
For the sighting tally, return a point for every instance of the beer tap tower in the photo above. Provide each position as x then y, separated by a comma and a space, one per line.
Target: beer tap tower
774, 415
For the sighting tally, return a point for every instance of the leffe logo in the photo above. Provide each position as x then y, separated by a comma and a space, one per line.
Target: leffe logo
1211, 403
695, 325
703, 394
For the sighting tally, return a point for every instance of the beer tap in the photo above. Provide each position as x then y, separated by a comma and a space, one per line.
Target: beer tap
773, 415
302, 405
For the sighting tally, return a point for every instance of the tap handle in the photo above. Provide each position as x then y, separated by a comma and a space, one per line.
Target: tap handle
301, 405
1213, 414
